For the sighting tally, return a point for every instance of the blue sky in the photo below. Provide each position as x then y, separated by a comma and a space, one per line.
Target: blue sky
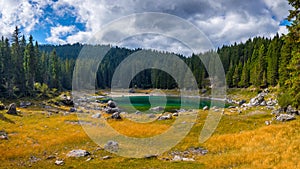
71, 21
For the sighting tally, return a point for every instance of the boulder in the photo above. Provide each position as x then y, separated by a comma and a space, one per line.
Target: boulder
2, 106
267, 123
112, 146
111, 104
59, 162
285, 117
165, 117
66, 100
158, 108
256, 101
116, 116
138, 113
291, 110
177, 158
78, 153
150, 156
242, 102
175, 114
263, 103
96, 116
73, 109
151, 116
188, 159
271, 102
12, 109
277, 112
106, 157
110, 110
25, 104
205, 108
3, 135
197, 151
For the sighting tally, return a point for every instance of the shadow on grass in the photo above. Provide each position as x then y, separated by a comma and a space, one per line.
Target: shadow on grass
3, 118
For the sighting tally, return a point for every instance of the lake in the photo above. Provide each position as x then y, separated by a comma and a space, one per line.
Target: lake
132, 104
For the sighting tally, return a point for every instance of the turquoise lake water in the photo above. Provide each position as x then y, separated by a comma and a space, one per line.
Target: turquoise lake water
169, 103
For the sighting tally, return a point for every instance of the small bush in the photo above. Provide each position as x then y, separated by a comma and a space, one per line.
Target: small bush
284, 100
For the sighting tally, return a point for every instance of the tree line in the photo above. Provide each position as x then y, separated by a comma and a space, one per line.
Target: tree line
25, 66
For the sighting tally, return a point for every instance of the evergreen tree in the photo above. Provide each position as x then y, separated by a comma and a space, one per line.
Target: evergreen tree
244, 82
29, 66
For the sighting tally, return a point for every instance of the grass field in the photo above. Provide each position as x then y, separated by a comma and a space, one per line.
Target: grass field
240, 141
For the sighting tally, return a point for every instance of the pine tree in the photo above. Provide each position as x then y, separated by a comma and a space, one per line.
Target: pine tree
29, 66
17, 60
237, 75
292, 84
261, 68
54, 71
272, 62
245, 75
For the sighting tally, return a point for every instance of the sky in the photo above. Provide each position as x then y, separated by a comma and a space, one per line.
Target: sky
72, 21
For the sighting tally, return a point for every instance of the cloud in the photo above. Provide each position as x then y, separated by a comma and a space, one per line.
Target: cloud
223, 22
23, 13
59, 32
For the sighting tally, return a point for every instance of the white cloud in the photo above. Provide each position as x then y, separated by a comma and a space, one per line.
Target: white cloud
222, 21
58, 32
20, 13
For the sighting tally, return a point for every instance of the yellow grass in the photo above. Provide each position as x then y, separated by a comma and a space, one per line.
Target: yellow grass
240, 141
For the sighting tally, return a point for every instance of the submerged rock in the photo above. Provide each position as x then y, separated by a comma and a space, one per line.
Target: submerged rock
158, 108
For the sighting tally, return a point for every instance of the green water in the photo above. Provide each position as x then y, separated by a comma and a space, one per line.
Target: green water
170, 103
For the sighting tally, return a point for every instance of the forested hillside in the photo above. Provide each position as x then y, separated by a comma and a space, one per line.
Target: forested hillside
261, 62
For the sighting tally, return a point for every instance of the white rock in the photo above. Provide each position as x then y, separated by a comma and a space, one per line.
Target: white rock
59, 162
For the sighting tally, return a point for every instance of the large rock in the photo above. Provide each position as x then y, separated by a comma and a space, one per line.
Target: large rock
277, 112
205, 108
110, 110
59, 162
242, 102
3, 135
73, 109
285, 117
165, 117
116, 116
2, 106
112, 146
291, 110
78, 153
12, 109
111, 104
258, 100
66, 100
25, 104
